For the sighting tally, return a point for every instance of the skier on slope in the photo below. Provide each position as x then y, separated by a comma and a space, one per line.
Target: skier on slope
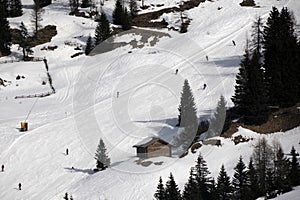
2, 168
20, 186
176, 71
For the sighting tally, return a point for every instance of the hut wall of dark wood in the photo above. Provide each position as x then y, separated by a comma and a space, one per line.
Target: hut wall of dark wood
159, 148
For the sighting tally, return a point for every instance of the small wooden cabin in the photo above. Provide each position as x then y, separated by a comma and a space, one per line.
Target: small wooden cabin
153, 147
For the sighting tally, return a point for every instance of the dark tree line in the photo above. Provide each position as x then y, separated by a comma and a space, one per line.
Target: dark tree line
121, 16
5, 36
12, 8
269, 71
268, 174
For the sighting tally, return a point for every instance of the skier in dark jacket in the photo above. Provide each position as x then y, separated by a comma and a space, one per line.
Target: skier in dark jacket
176, 71
20, 186
2, 168
67, 151
233, 42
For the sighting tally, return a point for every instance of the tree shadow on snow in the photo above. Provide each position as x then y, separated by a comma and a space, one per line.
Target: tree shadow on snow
232, 61
85, 171
170, 122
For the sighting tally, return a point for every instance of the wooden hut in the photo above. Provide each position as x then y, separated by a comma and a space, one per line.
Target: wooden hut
153, 147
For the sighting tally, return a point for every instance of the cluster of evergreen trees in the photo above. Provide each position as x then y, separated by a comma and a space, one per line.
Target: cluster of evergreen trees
187, 119
12, 8
269, 71
121, 16
268, 174
5, 36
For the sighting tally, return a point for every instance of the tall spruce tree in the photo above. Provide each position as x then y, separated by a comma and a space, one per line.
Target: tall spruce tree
36, 16
257, 37
74, 5
160, 191
203, 181
102, 31
118, 13
191, 190
5, 36
240, 181
224, 188
262, 157
133, 8
172, 191
295, 169
103, 161
218, 120
253, 181
89, 46
250, 96
187, 117
15, 8
86, 3
23, 40
126, 20
280, 55
282, 168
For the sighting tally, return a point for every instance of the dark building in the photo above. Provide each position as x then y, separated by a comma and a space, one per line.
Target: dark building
153, 147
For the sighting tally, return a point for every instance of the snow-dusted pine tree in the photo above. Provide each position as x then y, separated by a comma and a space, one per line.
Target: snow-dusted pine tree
103, 161
218, 120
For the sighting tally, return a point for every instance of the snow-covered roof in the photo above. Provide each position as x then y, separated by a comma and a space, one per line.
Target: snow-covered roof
149, 140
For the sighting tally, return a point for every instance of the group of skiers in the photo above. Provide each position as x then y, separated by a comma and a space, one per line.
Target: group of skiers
204, 85
20, 185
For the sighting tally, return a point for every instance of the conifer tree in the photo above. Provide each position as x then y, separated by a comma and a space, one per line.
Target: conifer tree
172, 191
187, 117
295, 169
240, 181
282, 167
103, 161
126, 20
86, 3
250, 96
257, 37
74, 4
24, 40
253, 181
5, 36
191, 190
203, 181
133, 8
218, 120
5, 8
224, 188
262, 157
118, 13
36, 16
89, 46
66, 197
15, 8
102, 31
280, 61
160, 192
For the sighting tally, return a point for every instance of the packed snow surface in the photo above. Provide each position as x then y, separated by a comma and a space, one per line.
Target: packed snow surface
86, 108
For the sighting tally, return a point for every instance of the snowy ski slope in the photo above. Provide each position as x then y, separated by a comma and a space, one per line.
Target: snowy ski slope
86, 108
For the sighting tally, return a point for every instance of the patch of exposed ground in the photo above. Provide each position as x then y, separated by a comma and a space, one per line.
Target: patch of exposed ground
144, 20
148, 37
283, 119
44, 35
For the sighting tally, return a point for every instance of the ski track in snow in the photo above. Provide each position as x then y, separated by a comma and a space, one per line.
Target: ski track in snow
36, 157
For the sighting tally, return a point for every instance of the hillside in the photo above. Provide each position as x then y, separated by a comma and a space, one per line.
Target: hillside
85, 106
